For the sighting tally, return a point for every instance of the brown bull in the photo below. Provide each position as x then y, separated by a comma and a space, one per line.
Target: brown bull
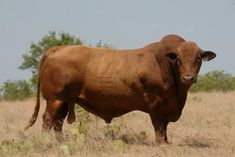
109, 83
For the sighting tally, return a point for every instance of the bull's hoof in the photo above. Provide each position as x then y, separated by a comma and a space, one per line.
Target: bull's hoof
161, 141
59, 137
107, 120
71, 118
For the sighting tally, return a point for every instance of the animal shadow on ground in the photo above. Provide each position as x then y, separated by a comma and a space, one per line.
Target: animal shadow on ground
138, 139
196, 143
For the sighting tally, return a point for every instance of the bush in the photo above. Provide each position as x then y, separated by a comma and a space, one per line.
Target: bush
16, 90
214, 81
83, 121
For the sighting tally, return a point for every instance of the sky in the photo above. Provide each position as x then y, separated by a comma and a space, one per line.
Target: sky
125, 24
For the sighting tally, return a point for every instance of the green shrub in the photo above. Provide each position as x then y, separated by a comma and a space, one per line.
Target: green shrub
114, 132
16, 90
119, 145
214, 81
83, 120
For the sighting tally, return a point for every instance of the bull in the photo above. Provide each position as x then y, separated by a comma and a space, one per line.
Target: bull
109, 83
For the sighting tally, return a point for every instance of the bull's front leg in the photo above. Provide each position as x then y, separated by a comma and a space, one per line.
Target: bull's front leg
160, 128
157, 115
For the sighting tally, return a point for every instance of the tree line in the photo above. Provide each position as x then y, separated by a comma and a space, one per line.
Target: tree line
22, 89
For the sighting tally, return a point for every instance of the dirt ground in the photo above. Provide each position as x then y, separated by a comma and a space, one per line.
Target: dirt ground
206, 128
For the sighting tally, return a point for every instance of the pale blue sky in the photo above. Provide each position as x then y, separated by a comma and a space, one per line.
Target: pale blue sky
121, 23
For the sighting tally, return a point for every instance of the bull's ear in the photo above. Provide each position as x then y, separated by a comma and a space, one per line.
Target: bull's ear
208, 55
171, 55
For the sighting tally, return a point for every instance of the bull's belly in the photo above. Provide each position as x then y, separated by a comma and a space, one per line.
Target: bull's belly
110, 96
112, 105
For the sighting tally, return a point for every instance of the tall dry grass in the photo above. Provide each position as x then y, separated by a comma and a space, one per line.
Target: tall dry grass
206, 128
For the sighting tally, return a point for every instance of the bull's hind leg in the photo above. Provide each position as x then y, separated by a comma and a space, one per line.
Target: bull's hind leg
54, 115
52, 108
58, 121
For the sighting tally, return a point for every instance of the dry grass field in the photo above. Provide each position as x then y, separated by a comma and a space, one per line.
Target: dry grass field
206, 129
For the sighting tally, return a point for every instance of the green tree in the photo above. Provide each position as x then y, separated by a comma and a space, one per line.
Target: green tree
32, 57
15, 90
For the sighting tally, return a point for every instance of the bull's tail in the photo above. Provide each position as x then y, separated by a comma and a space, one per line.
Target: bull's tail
36, 109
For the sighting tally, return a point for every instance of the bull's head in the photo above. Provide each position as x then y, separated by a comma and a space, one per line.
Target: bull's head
187, 58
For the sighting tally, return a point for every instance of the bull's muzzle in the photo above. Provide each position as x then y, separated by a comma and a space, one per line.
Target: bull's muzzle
189, 79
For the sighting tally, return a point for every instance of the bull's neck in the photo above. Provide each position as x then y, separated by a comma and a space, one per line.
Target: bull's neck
182, 92
181, 89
